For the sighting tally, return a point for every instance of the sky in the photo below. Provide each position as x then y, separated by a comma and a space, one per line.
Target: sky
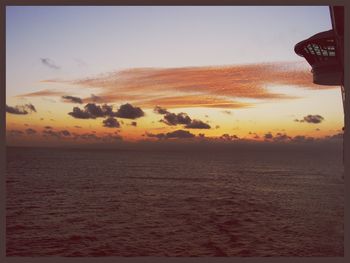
106, 75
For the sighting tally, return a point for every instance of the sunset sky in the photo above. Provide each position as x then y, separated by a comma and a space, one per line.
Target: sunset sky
81, 75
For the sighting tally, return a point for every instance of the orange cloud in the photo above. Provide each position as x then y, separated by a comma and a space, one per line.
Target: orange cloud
217, 86
192, 101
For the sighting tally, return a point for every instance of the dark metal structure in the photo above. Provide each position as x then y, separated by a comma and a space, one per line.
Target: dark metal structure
325, 52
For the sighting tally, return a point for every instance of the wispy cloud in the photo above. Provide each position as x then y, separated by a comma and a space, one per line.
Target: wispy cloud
225, 87
49, 63
72, 99
190, 101
80, 62
42, 93
219, 87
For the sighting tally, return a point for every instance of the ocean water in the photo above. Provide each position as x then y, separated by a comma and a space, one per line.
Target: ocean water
64, 202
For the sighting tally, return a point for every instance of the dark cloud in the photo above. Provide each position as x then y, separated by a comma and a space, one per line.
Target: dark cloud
311, 119
302, 139
86, 136
80, 114
181, 118
20, 109
78, 127
281, 137
15, 133
268, 136
48, 127
30, 131
127, 111
160, 110
16, 110
158, 135
108, 137
112, 137
338, 136
51, 133
134, 123
178, 134
56, 134
92, 111
111, 123
175, 119
108, 110
72, 99
197, 124
228, 137
30, 107
49, 63
65, 133
256, 136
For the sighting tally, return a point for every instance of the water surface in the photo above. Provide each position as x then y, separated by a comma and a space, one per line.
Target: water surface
66, 202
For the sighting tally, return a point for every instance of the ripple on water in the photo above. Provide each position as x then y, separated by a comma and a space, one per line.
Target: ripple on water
105, 203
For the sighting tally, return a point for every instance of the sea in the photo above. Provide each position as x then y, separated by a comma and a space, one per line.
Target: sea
132, 203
